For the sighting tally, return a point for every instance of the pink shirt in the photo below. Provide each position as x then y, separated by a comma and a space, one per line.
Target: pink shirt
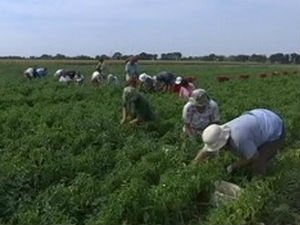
186, 92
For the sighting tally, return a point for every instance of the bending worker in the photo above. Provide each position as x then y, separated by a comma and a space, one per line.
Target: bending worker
256, 137
135, 107
199, 112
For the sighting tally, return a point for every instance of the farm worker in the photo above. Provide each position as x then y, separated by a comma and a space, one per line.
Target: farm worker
135, 107
165, 79
97, 78
102, 67
69, 73
178, 81
33, 72
112, 79
199, 112
186, 89
79, 78
65, 79
58, 73
28, 73
255, 136
177, 86
41, 72
132, 70
146, 81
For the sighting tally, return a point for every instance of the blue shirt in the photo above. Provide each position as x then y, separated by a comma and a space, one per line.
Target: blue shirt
132, 70
253, 129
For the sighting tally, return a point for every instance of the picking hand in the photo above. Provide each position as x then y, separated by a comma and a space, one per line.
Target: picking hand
229, 169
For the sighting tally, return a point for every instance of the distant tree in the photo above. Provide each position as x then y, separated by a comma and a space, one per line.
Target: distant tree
220, 58
82, 57
204, 58
59, 56
102, 57
171, 56
286, 58
147, 56
242, 58
295, 58
117, 56
126, 57
258, 58
277, 58
12, 57
45, 56
211, 57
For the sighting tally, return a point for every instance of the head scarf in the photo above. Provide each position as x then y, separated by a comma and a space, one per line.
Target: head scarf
130, 94
199, 97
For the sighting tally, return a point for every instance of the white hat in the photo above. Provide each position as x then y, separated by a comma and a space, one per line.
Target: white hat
143, 77
178, 80
58, 72
110, 76
215, 137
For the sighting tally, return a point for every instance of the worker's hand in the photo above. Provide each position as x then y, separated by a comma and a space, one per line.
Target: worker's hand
194, 162
122, 121
134, 121
229, 169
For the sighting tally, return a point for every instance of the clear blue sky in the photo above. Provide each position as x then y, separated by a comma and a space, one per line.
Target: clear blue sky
193, 27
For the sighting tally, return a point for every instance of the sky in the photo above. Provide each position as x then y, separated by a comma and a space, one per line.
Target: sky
192, 27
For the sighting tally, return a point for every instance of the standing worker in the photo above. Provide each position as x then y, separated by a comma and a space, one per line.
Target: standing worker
102, 67
132, 70
255, 136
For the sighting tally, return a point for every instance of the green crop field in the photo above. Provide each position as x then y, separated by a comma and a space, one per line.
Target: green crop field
65, 158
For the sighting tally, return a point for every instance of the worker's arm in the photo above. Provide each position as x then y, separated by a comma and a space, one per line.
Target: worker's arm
202, 155
241, 163
188, 129
138, 119
124, 115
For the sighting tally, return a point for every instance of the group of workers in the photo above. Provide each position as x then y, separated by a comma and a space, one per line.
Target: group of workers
255, 137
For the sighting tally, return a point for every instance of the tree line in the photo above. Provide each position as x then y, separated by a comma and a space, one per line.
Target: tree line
281, 58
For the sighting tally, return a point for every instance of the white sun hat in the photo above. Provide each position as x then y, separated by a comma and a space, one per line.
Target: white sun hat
58, 73
143, 77
95, 74
178, 80
215, 137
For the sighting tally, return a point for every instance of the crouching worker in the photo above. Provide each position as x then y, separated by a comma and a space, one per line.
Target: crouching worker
146, 82
256, 137
199, 112
136, 109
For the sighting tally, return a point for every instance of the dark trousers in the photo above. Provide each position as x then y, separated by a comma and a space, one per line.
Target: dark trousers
266, 152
